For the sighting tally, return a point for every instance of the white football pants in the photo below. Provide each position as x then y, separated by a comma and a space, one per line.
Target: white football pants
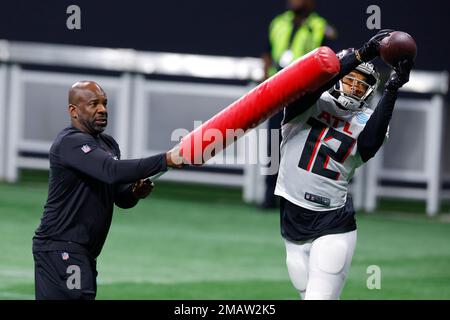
318, 268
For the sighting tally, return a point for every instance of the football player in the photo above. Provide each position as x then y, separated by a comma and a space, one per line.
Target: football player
326, 136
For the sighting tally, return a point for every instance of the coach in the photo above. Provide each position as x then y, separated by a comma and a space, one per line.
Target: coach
86, 179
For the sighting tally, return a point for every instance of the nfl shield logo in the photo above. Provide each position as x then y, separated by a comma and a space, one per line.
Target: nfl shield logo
65, 256
86, 148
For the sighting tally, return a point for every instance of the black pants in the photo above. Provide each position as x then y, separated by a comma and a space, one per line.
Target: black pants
60, 275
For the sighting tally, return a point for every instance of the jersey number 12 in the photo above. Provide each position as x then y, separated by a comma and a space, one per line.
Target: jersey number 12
321, 153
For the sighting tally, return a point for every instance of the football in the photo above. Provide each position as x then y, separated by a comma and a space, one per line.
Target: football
397, 47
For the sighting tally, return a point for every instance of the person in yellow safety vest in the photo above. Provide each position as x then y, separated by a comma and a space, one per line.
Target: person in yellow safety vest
291, 35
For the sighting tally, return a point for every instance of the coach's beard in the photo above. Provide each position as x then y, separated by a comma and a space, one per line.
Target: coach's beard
95, 126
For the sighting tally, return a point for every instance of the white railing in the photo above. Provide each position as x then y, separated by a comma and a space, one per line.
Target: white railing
415, 157
129, 60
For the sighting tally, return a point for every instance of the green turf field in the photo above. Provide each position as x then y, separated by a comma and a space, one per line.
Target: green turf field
191, 242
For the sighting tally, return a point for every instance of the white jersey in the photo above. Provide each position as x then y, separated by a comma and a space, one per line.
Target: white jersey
319, 155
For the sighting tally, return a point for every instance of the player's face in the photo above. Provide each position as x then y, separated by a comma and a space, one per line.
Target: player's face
92, 110
355, 84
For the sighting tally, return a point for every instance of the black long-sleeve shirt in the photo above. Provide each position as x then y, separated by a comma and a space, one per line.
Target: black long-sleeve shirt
371, 138
86, 179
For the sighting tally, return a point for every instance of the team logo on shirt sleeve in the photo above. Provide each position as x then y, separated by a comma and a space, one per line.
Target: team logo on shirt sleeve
114, 157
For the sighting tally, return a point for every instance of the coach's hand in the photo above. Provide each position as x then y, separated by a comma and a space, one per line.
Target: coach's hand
174, 158
399, 75
142, 188
371, 49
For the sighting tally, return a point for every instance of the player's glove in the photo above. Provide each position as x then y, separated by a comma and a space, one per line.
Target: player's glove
399, 75
371, 49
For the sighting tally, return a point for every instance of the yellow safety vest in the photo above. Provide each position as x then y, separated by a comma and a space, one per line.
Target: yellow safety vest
308, 36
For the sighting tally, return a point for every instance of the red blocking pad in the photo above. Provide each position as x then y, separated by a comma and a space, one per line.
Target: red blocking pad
305, 75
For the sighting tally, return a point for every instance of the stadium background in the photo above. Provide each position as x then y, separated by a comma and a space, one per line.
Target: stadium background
229, 28
197, 242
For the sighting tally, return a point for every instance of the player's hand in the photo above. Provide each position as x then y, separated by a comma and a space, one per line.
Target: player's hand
399, 75
371, 49
142, 188
174, 158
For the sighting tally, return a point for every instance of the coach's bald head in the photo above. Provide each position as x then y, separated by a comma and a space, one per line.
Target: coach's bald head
87, 107
80, 89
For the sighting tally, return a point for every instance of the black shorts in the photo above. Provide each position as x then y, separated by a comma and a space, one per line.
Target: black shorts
61, 275
300, 224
